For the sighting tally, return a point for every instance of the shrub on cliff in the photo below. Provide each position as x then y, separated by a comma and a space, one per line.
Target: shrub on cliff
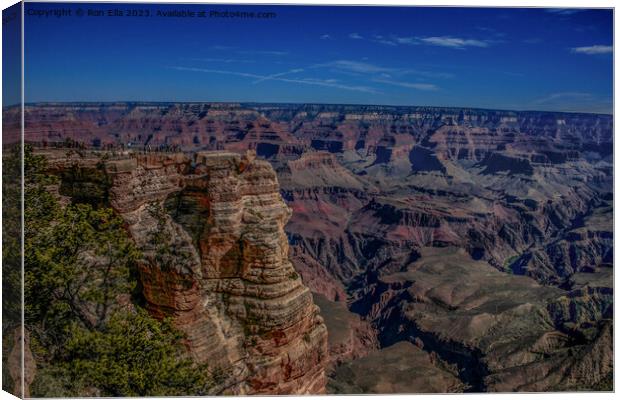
78, 266
86, 335
133, 355
11, 256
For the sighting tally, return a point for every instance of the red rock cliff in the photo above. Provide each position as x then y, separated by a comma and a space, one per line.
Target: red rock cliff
216, 260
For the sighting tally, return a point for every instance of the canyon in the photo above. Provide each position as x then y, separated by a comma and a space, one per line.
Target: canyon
359, 249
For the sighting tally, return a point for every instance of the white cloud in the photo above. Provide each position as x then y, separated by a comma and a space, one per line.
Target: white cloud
444, 41
326, 37
218, 47
409, 85
563, 96
274, 76
370, 72
595, 49
356, 66
452, 42
406, 40
574, 102
305, 81
430, 74
264, 52
224, 60
359, 67
383, 40
564, 11
491, 31
217, 71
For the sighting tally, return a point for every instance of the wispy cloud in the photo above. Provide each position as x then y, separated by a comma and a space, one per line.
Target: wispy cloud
326, 37
264, 52
278, 75
406, 40
381, 74
363, 71
453, 42
383, 40
564, 11
304, 81
224, 60
586, 28
563, 96
368, 68
444, 41
219, 47
491, 31
258, 52
217, 71
574, 102
429, 74
409, 85
595, 49
356, 66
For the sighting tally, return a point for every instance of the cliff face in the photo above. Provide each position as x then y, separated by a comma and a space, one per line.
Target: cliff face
216, 261
287, 129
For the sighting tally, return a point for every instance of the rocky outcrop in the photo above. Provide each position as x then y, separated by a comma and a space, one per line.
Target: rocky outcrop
496, 162
350, 337
501, 332
321, 193
21, 364
400, 368
216, 260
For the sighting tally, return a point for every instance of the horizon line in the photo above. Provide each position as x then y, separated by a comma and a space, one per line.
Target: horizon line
168, 102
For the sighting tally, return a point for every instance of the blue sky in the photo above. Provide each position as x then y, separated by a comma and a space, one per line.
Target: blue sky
11, 55
505, 58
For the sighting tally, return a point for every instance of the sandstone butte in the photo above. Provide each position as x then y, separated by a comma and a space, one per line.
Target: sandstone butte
226, 279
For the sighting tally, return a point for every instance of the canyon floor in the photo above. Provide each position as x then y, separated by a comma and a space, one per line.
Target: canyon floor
448, 250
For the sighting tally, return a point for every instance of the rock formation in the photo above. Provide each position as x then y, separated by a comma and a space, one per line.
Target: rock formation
211, 231
501, 332
21, 364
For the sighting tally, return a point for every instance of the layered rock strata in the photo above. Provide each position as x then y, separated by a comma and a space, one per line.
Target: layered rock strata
499, 332
211, 231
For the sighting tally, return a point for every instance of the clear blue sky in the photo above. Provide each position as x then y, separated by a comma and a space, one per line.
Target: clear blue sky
11, 55
534, 59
